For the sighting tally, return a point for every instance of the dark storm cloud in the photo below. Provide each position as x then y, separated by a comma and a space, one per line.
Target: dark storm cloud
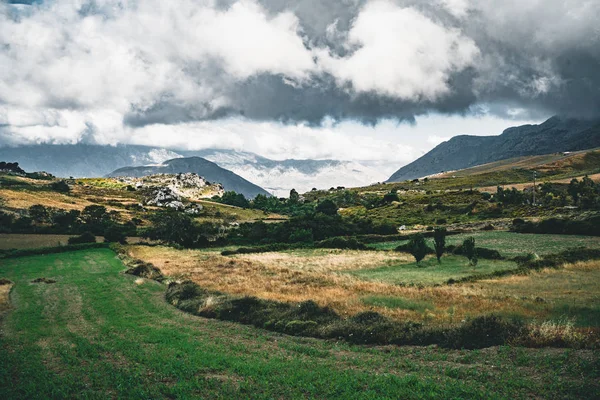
305, 60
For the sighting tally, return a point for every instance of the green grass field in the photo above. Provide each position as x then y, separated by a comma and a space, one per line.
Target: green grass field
97, 333
511, 244
429, 272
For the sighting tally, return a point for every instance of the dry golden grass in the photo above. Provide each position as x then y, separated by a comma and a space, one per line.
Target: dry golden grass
280, 276
23, 199
327, 260
575, 283
4, 297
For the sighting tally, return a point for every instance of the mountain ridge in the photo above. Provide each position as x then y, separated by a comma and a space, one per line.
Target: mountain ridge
465, 151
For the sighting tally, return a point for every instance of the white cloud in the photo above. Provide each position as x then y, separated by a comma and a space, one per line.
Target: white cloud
458, 8
401, 53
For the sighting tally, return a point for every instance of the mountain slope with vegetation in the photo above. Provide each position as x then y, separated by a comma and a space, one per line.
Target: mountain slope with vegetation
208, 170
460, 152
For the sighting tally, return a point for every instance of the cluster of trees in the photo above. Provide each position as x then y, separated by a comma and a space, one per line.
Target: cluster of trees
584, 193
177, 228
11, 167
320, 224
294, 205
417, 247
94, 218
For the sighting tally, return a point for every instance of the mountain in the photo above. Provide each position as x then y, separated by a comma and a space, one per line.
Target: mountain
207, 169
277, 177
554, 135
83, 160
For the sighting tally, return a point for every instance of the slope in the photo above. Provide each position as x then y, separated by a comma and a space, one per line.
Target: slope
209, 170
460, 152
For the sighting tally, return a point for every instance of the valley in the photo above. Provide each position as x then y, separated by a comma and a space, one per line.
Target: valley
328, 278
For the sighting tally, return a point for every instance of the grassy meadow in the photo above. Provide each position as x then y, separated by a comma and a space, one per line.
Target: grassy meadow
98, 333
391, 283
511, 244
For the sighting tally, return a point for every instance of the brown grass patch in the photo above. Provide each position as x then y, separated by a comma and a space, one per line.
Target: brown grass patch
289, 282
5, 297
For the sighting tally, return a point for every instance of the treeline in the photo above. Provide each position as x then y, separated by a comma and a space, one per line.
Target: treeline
94, 218
590, 226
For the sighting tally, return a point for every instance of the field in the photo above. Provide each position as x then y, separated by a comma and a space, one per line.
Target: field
393, 285
429, 272
97, 333
511, 244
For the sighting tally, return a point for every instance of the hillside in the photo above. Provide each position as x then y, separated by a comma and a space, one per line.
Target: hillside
208, 170
460, 152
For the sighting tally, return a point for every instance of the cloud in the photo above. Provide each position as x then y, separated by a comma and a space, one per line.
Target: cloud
114, 69
402, 54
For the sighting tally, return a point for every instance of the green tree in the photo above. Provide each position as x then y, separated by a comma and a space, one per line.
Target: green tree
417, 247
60, 186
301, 236
470, 251
115, 234
173, 227
294, 197
327, 207
39, 213
439, 242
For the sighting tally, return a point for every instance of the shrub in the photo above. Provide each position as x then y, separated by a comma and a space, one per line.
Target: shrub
60, 186
439, 242
341, 243
469, 250
417, 247
86, 237
301, 236
114, 234
484, 331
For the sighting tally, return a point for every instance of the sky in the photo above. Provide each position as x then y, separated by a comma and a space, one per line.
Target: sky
361, 80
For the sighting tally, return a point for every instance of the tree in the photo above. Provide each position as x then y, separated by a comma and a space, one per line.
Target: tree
38, 213
114, 234
94, 214
176, 228
294, 197
417, 247
390, 197
60, 186
327, 207
301, 236
439, 241
86, 237
470, 251
235, 199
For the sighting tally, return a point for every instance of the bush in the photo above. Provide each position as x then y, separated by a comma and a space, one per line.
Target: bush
341, 243
114, 234
301, 236
469, 250
86, 237
60, 186
485, 331
439, 242
417, 247
309, 319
